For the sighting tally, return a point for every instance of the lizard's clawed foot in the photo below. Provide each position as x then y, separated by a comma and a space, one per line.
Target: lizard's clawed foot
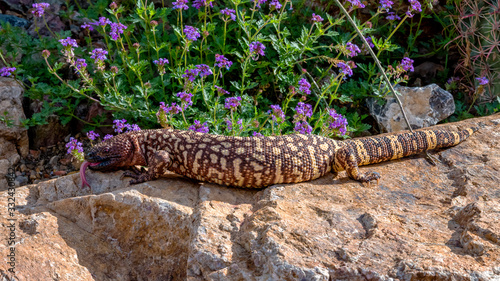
369, 177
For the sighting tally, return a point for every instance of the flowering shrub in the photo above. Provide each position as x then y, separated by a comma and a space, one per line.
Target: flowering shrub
250, 68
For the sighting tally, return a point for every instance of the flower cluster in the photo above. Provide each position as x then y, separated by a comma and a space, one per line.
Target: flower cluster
229, 14
203, 70
356, 4
221, 91
415, 6
222, 62
482, 81
229, 124
190, 74
353, 49
103, 21
167, 110
116, 30
303, 111
257, 134
39, 9
345, 69
87, 27
75, 148
161, 65
198, 127
407, 64
385, 5
202, 3
337, 123
259, 2
92, 135
68, 45
181, 4
275, 4
232, 103
99, 55
256, 49
316, 18
7, 71
185, 99
304, 86
120, 126
192, 33
107, 137
80, 66
392, 16
277, 114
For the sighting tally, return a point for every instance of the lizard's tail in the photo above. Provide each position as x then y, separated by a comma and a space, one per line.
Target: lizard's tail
377, 149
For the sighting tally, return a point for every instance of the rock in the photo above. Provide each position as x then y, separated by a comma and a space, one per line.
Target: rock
13, 137
410, 226
21, 180
424, 106
48, 134
14, 21
54, 159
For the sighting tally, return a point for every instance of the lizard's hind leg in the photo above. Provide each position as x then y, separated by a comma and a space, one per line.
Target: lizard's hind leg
347, 159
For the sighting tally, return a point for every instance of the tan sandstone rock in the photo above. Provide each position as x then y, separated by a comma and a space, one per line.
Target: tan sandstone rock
421, 222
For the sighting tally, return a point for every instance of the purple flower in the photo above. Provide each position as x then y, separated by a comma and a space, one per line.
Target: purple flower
185, 99
191, 74
229, 13
119, 125
232, 103
161, 65
99, 54
173, 109
303, 127
414, 6
482, 80
275, 4
80, 65
370, 41
107, 137
345, 68
221, 61
203, 70
259, 2
198, 127
68, 42
39, 9
407, 64
229, 124
385, 5
277, 113
392, 16
181, 4
353, 49
221, 91
73, 145
103, 21
302, 112
256, 49
356, 3
337, 122
116, 30
256, 134
192, 33
316, 18
87, 26
7, 71
202, 3
304, 86
92, 135
132, 128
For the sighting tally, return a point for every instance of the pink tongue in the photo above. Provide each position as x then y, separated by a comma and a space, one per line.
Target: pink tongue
84, 166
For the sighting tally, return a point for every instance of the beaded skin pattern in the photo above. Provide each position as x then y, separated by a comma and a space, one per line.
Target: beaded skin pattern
255, 162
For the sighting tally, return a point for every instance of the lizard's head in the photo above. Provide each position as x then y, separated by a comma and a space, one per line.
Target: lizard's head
110, 154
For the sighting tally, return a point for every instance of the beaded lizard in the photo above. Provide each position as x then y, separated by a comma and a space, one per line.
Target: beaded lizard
255, 161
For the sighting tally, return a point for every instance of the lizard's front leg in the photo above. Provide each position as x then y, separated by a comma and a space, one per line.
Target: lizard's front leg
346, 157
158, 163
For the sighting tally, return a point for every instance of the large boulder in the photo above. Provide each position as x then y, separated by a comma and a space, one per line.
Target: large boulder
424, 107
13, 137
421, 222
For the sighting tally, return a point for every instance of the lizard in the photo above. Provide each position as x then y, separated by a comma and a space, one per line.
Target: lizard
255, 162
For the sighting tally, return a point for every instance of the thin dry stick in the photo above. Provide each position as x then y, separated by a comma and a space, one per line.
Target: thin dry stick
388, 82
